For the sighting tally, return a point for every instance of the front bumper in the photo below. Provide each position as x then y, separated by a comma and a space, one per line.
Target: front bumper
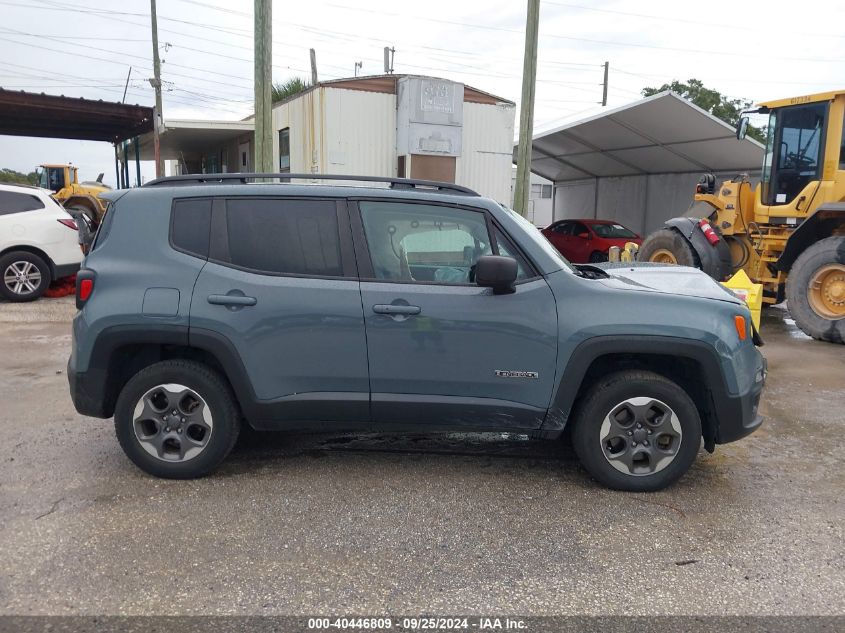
739, 415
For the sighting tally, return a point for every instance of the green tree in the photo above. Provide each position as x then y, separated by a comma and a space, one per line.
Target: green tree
288, 88
13, 177
713, 101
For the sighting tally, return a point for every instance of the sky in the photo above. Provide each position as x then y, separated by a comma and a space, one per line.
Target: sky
86, 48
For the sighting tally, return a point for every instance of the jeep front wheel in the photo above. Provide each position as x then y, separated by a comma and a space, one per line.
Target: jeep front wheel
176, 419
636, 431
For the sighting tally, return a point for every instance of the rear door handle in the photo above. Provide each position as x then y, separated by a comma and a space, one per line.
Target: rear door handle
231, 300
393, 310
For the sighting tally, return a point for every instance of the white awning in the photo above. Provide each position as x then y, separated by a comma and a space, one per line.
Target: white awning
189, 137
661, 134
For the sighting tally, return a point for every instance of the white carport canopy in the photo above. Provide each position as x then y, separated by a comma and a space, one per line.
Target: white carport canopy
181, 138
662, 134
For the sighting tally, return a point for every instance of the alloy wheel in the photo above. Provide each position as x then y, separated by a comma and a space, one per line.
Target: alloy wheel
22, 277
172, 422
640, 436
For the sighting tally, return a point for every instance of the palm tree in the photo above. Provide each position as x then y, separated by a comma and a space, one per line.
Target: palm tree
288, 88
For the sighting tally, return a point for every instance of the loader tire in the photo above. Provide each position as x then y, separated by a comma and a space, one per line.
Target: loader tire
667, 246
815, 290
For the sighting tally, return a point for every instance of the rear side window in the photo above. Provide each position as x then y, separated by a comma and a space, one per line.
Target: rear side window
12, 202
190, 226
292, 237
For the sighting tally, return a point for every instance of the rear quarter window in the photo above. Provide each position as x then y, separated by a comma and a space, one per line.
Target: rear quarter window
13, 202
190, 225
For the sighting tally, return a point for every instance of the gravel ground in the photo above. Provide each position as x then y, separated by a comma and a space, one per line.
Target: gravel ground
369, 524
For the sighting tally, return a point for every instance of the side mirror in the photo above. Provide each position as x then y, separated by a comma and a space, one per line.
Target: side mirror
742, 127
584, 235
496, 272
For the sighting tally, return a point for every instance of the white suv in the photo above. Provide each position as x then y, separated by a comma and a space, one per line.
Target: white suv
38, 242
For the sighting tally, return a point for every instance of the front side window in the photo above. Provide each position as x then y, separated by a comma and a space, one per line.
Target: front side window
12, 202
288, 237
419, 242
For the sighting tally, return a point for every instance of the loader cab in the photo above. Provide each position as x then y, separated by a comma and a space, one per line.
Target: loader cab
56, 177
794, 152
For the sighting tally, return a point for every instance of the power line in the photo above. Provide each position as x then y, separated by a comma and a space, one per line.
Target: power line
590, 40
697, 22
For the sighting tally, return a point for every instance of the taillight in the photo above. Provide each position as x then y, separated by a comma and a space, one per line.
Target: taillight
69, 223
84, 287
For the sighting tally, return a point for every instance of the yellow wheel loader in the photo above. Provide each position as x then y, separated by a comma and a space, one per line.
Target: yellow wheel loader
788, 233
76, 197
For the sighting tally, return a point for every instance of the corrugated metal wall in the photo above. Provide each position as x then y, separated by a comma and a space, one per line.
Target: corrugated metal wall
485, 163
641, 203
360, 134
354, 132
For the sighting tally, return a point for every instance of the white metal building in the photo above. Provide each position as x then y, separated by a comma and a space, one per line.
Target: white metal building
540, 211
388, 125
638, 164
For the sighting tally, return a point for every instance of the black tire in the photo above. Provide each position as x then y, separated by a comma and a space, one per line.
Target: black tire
597, 257
668, 240
210, 387
88, 212
12, 262
826, 253
612, 393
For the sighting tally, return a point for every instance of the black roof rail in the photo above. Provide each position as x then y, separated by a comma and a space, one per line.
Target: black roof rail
243, 178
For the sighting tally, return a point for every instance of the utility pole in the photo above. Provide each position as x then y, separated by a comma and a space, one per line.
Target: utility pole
526, 110
126, 86
313, 67
604, 91
263, 85
389, 52
156, 84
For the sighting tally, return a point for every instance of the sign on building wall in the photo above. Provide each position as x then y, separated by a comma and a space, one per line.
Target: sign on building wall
429, 116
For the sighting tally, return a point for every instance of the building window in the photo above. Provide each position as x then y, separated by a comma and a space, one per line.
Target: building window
284, 151
547, 191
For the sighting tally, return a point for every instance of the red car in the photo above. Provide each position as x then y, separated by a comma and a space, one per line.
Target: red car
582, 241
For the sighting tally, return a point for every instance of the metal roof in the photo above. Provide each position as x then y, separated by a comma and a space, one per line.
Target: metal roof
661, 134
51, 116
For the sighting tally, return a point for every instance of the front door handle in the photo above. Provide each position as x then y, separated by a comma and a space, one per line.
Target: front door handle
231, 300
394, 310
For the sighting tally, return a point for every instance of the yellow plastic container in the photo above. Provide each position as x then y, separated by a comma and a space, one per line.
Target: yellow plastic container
748, 291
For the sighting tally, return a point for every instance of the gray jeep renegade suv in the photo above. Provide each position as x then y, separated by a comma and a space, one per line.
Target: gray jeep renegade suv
207, 301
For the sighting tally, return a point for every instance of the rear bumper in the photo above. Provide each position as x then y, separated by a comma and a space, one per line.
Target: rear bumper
87, 391
739, 415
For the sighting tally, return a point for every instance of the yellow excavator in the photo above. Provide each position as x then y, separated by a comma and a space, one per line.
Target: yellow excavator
76, 197
788, 232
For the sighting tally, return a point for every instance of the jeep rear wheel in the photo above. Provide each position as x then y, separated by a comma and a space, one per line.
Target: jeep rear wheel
637, 431
176, 419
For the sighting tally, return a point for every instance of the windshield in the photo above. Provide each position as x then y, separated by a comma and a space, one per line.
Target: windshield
42, 178
612, 231
534, 234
